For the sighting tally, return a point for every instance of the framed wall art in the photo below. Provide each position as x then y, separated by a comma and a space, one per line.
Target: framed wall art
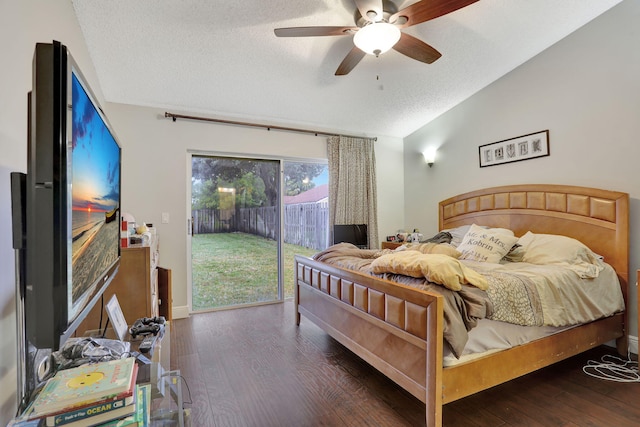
523, 147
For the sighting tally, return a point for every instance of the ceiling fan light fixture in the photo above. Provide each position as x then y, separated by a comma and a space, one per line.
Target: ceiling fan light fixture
377, 38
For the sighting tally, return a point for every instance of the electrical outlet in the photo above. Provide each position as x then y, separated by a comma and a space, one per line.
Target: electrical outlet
165, 217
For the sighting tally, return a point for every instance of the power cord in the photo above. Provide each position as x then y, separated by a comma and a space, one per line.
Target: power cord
189, 401
613, 368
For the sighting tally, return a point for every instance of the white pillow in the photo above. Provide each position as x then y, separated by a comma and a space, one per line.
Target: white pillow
560, 250
486, 244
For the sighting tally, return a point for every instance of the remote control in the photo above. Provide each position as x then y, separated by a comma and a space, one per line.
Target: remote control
147, 343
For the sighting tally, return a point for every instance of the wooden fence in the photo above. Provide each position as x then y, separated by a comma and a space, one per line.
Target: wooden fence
305, 224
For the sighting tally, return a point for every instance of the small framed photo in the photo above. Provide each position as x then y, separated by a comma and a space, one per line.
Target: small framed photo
117, 318
516, 149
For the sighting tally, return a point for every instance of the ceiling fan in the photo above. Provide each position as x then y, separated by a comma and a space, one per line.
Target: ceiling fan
378, 25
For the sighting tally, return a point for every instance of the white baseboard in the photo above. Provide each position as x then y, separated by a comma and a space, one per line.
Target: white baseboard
182, 312
633, 344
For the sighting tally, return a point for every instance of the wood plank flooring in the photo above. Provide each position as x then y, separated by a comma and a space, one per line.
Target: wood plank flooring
254, 367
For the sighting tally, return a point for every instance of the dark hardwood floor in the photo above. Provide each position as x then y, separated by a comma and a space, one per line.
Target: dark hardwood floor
255, 367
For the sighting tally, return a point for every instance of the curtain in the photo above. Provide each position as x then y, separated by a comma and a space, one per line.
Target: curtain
352, 184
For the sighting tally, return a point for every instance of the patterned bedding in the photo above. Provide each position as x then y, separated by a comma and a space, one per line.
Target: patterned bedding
517, 293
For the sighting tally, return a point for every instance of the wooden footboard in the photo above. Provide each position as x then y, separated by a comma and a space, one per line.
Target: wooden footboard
395, 328
480, 374
398, 330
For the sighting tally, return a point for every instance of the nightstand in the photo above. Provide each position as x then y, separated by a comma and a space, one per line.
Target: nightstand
390, 245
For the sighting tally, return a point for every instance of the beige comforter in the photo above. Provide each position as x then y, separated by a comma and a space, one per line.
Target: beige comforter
564, 297
519, 293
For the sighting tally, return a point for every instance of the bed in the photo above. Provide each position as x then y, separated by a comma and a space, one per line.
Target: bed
399, 329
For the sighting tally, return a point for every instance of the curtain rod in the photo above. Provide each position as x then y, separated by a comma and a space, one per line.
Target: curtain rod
174, 117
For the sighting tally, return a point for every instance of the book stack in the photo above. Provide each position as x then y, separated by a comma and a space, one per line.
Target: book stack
97, 394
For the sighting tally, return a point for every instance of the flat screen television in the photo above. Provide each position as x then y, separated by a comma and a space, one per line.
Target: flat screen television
72, 197
351, 233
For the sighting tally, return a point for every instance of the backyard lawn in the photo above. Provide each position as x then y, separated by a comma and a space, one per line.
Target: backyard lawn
238, 268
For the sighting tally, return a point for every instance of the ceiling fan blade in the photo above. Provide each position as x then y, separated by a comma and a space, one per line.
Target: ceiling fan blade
315, 31
426, 10
366, 6
416, 49
350, 61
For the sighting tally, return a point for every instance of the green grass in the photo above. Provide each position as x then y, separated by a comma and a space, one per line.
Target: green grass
238, 268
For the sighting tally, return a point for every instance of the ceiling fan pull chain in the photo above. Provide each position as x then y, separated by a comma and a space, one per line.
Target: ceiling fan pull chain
378, 79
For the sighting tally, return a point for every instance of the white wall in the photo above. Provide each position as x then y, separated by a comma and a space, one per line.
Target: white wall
23, 24
154, 173
585, 90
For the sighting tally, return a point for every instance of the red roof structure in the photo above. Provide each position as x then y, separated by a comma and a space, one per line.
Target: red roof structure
315, 195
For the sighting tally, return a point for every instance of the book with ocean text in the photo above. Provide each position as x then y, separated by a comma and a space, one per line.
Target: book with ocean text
98, 415
84, 386
115, 409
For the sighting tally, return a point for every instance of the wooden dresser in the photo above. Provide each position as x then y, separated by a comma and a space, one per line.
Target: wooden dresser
390, 245
135, 285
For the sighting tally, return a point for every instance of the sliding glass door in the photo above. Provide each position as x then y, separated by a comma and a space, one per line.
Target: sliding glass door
249, 217
235, 229
305, 214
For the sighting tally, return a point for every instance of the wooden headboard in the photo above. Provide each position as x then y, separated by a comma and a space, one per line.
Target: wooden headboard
598, 218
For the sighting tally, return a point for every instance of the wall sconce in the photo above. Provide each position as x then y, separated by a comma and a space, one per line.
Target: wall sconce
429, 156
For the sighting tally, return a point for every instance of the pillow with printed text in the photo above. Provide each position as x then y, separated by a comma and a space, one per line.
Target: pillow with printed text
486, 244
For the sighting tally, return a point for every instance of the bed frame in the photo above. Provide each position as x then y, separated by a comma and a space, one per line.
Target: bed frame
398, 329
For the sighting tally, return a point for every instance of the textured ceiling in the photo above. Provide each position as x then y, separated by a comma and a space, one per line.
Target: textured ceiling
222, 59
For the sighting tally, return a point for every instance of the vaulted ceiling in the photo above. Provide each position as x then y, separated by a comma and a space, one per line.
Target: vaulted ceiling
221, 59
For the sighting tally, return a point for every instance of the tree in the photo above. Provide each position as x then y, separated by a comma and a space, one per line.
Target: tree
250, 191
298, 177
255, 181
204, 194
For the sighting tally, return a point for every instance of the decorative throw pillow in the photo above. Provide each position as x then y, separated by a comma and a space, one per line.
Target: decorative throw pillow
458, 233
560, 250
486, 244
515, 254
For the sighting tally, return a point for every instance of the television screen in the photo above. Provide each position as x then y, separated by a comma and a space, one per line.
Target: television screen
95, 198
72, 200
351, 233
